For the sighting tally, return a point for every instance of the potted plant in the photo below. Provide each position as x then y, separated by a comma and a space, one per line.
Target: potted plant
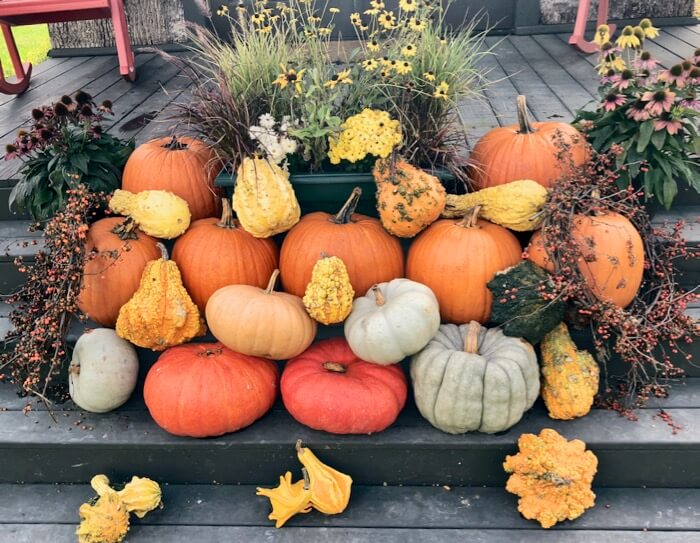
280, 87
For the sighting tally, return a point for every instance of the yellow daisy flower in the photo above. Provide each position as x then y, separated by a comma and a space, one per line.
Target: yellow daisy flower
627, 38
404, 67
441, 91
409, 50
375, 7
408, 5
373, 45
385, 73
370, 64
291, 77
649, 30
602, 34
416, 24
258, 18
387, 20
341, 77
355, 19
429, 76
386, 61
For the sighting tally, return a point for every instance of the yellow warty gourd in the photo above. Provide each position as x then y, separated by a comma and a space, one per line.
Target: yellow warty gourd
515, 205
569, 376
158, 213
264, 199
329, 295
161, 313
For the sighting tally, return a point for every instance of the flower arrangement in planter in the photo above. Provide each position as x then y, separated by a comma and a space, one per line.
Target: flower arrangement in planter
647, 115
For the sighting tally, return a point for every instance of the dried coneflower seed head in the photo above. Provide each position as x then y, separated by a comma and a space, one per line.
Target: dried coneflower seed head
107, 104
677, 70
97, 129
607, 46
694, 73
646, 55
82, 97
37, 114
21, 133
60, 109
687, 65
9, 148
45, 134
66, 99
86, 110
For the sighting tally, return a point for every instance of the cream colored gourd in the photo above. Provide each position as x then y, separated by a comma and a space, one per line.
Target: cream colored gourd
516, 205
471, 378
392, 321
264, 199
103, 371
158, 213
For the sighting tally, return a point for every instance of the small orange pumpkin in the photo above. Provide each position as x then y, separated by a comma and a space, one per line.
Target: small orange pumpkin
525, 151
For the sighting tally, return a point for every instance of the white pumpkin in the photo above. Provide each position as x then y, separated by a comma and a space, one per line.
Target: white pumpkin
103, 371
392, 321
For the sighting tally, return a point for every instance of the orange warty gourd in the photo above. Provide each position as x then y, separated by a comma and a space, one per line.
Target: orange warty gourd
206, 390
184, 166
456, 259
112, 277
525, 151
370, 254
214, 253
612, 260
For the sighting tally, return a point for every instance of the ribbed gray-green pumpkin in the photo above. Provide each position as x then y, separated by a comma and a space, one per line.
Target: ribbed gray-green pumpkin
470, 378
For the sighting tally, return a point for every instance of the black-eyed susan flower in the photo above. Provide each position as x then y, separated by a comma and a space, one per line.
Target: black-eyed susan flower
416, 24
356, 19
309, 33
374, 45
442, 91
403, 67
385, 73
627, 38
291, 77
334, 11
429, 76
314, 19
409, 50
443, 41
339, 78
387, 19
265, 28
324, 31
649, 30
602, 34
386, 61
376, 6
370, 64
258, 18
222, 11
408, 5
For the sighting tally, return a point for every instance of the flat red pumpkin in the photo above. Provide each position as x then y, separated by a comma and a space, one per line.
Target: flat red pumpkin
328, 388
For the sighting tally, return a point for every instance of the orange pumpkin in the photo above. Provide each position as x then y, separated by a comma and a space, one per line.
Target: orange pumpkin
456, 259
184, 166
113, 274
206, 390
525, 151
214, 253
370, 254
260, 322
612, 256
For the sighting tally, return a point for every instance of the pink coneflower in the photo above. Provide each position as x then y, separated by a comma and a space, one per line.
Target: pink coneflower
675, 75
658, 101
609, 77
625, 80
645, 61
612, 101
637, 111
694, 75
696, 56
644, 77
691, 103
672, 126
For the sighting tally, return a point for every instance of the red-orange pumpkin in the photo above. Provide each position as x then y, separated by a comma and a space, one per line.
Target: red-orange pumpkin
612, 256
370, 254
184, 166
456, 259
206, 390
328, 388
113, 273
525, 151
215, 253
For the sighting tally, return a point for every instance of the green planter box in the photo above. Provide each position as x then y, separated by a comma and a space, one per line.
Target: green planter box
327, 191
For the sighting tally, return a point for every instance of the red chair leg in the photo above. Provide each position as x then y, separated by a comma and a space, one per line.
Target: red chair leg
577, 39
127, 65
23, 71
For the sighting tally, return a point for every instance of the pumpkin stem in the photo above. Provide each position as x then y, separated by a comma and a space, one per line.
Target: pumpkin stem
175, 145
271, 283
210, 352
163, 251
334, 367
307, 480
523, 118
470, 218
378, 296
126, 230
298, 445
471, 339
345, 214
226, 215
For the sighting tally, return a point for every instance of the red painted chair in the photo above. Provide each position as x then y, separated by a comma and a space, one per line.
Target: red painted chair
577, 39
29, 12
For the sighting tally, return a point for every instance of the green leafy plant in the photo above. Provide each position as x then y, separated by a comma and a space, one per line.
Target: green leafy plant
66, 147
647, 116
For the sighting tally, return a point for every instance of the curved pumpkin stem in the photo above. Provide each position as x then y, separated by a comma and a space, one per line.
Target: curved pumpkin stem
126, 230
345, 214
334, 367
175, 145
226, 215
523, 118
305, 472
272, 282
378, 296
163, 251
471, 339
470, 218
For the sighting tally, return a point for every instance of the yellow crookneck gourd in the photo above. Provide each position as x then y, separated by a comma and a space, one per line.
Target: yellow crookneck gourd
329, 294
161, 313
158, 213
569, 376
264, 199
516, 205
323, 488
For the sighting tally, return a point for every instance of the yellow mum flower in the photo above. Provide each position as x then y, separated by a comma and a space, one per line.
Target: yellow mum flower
370, 132
290, 77
409, 50
602, 34
373, 45
416, 24
441, 91
388, 20
649, 30
627, 38
429, 76
408, 5
370, 64
341, 77
404, 67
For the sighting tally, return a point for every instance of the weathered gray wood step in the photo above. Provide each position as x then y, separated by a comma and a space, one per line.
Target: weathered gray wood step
376, 513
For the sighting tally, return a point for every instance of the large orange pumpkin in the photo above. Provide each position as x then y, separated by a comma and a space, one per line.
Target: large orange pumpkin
612, 256
329, 388
525, 151
456, 259
184, 166
206, 390
214, 253
370, 254
113, 273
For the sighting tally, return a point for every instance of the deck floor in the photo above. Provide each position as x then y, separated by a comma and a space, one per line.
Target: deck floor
556, 79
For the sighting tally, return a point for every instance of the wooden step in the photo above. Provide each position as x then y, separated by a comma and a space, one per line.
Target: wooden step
209, 513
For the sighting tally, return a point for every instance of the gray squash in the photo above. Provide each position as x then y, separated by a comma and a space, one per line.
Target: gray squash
470, 378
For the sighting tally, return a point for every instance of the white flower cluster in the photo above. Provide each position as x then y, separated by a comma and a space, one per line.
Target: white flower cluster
272, 137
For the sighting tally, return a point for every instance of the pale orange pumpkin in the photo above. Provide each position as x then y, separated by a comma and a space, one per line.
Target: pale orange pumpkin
214, 253
612, 256
525, 151
184, 166
456, 259
260, 322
